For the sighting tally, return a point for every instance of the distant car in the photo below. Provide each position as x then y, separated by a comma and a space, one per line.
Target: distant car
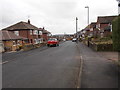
64, 40
74, 40
52, 42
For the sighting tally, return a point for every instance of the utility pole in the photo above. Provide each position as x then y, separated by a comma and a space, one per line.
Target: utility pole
76, 30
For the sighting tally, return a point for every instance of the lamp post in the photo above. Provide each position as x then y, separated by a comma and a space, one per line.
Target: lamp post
88, 13
88, 23
76, 30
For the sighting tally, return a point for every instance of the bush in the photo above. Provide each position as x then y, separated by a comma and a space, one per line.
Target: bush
116, 33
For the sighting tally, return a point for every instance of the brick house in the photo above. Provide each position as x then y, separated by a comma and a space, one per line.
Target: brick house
10, 41
104, 25
93, 30
45, 34
27, 30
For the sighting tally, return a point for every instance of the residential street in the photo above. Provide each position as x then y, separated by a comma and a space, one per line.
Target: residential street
53, 67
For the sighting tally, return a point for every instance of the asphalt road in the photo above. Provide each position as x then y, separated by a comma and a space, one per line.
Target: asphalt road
53, 67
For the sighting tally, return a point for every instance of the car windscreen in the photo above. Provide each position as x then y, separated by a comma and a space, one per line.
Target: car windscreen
52, 39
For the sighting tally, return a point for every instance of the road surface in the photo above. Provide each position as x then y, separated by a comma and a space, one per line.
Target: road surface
53, 67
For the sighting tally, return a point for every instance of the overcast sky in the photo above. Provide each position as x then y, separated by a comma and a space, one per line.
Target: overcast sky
57, 16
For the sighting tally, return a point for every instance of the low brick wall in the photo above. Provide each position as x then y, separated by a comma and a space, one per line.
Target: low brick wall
101, 47
28, 47
31, 46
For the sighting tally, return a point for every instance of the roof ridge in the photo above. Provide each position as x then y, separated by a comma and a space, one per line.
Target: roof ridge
24, 23
108, 16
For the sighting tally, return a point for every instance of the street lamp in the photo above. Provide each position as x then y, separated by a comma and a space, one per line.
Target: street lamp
88, 24
88, 13
76, 29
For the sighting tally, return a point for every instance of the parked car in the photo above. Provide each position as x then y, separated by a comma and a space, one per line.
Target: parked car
52, 42
74, 40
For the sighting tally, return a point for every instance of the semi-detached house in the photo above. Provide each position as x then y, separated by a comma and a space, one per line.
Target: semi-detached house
104, 25
26, 30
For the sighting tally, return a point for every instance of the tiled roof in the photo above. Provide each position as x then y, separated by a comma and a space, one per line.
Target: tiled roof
105, 19
93, 25
44, 31
21, 26
7, 35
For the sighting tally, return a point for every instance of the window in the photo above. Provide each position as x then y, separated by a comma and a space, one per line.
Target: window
49, 34
14, 43
98, 26
18, 42
40, 40
111, 27
40, 32
36, 41
35, 32
91, 29
31, 32
16, 33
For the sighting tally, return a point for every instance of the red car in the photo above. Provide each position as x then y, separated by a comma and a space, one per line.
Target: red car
52, 42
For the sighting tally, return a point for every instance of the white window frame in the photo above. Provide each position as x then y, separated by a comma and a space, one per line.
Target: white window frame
35, 32
14, 43
36, 41
16, 33
31, 32
40, 32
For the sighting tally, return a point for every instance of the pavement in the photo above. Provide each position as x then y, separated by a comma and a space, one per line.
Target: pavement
98, 70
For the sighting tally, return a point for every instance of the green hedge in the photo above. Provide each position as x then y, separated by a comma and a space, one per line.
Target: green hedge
116, 33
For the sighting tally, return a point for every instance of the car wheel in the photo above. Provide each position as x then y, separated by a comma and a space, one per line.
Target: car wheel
48, 45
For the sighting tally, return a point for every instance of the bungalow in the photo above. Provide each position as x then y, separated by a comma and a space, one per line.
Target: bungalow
104, 25
10, 41
26, 30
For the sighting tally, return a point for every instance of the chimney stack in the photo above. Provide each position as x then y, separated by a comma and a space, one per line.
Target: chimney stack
43, 28
28, 21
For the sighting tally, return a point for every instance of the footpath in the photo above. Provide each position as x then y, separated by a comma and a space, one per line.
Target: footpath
98, 70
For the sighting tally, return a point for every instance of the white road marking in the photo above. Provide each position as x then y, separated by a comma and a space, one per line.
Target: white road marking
4, 62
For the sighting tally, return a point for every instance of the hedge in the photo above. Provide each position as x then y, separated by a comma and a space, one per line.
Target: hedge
116, 33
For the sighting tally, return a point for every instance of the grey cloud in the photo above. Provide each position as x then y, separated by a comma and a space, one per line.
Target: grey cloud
58, 16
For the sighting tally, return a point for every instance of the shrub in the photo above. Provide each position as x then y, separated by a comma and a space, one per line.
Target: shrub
116, 33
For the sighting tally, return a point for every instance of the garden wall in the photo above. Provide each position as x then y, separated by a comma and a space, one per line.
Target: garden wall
101, 47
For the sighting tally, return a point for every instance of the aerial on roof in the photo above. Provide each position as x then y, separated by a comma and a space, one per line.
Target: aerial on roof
105, 19
7, 35
21, 26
